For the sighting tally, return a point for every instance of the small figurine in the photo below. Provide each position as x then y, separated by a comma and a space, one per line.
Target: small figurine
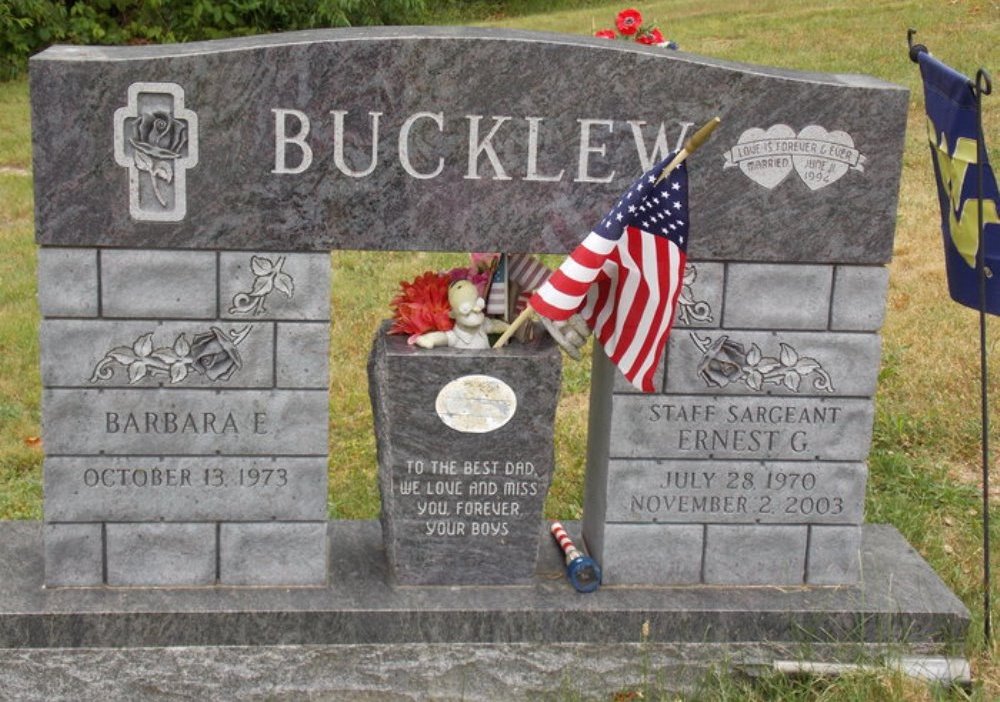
471, 325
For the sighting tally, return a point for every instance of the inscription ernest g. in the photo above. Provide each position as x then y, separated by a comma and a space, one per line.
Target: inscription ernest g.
736, 427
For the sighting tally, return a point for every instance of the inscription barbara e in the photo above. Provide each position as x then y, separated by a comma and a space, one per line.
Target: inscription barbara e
466, 498
183, 423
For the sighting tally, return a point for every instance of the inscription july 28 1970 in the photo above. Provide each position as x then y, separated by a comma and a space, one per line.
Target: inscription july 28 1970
737, 491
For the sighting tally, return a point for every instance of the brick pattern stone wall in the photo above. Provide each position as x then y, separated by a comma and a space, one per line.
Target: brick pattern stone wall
749, 466
185, 416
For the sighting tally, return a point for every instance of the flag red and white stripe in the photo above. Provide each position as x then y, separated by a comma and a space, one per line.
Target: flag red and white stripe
569, 549
626, 276
529, 273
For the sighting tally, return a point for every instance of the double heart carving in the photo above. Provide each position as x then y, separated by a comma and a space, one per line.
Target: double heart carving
820, 157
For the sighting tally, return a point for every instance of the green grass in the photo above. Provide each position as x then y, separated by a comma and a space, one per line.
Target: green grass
924, 465
15, 136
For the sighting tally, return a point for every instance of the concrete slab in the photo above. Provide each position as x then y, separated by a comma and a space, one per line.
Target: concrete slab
359, 638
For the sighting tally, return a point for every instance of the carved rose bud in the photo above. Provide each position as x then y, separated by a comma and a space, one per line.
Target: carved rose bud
722, 363
215, 355
159, 135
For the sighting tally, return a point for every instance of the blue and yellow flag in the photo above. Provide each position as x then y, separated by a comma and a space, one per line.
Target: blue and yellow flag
953, 130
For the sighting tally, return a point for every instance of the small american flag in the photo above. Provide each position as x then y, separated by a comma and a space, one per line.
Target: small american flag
625, 277
528, 273
496, 300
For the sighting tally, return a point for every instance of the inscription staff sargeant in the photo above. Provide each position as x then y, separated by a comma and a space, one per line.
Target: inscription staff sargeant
295, 135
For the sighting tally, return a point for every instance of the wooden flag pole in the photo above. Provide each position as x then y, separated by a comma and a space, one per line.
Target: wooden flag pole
690, 146
514, 326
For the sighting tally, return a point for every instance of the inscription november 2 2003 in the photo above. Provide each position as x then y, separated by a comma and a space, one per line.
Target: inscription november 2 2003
737, 491
464, 497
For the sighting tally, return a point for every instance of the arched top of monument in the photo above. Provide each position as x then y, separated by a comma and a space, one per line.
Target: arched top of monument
451, 138
424, 33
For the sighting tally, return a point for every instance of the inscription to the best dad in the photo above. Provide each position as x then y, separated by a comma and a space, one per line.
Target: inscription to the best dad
467, 497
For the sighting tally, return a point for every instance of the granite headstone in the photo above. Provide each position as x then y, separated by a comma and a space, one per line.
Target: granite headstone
194, 171
465, 448
176, 186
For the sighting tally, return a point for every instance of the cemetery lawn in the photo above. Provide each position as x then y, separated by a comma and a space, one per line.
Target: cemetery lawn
924, 466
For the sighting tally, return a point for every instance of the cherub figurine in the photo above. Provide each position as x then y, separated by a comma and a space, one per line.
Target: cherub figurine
471, 325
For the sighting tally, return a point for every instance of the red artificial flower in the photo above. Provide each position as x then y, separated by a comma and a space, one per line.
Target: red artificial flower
422, 306
652, 37
606, 34
628, 21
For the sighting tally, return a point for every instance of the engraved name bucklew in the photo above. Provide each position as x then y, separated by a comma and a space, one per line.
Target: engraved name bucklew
295, 135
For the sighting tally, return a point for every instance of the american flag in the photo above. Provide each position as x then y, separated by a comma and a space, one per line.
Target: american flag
528, 273
625, 277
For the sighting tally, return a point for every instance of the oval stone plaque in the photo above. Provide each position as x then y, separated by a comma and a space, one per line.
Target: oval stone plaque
476, 404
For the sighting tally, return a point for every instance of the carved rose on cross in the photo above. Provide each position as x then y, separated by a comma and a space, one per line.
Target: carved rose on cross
158, 139
159, 135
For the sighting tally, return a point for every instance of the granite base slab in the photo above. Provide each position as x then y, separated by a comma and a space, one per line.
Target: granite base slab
358, 628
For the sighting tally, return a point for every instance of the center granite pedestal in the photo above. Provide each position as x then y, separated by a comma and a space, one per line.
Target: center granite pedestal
360, 638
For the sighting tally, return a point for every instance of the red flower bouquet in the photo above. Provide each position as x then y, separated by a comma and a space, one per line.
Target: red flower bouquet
422, 305
630, 27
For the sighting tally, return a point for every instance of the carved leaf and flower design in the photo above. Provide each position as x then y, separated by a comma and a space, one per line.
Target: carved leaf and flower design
268, 277
726, 362
691, 310
212, 354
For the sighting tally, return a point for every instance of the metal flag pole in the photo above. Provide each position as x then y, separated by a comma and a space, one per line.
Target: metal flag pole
983, 86
690, 146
